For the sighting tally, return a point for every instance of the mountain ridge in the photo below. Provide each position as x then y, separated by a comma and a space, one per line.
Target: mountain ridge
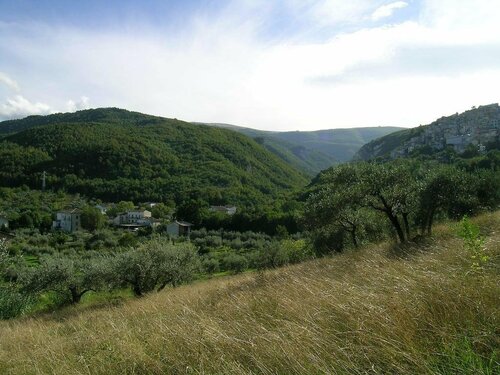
313, 151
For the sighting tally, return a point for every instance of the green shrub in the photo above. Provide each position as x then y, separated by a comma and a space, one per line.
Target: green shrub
297, 250
235, 263
210, 265
473, 243
12, 302
273, 256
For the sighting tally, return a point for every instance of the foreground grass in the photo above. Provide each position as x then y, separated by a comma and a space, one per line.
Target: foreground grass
363, 312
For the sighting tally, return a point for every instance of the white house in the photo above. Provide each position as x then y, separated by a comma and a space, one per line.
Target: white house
103, 209
4, 223
229, 210
139, 218
68, 221
179, 228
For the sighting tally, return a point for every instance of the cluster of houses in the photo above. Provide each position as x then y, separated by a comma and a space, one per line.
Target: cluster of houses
136, 219
458, 131
70, 220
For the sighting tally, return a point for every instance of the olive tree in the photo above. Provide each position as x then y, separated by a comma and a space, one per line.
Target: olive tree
156, 264
348, 193
445, 188
235, 263
70, 279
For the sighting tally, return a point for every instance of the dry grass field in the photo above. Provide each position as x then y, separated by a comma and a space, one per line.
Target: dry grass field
364, 312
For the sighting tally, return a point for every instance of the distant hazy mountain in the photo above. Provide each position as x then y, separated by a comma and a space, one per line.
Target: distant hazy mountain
478, 128
114, 154
313, 151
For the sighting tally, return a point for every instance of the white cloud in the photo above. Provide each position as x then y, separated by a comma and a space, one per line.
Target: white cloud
313, 13
222, 69
340, 11
82, 103
387, 10
18, 106
9, 82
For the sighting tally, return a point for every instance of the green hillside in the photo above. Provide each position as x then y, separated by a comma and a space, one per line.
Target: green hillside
115, 154
313, 151
104, 115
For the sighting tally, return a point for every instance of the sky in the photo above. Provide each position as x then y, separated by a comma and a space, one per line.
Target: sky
265, 64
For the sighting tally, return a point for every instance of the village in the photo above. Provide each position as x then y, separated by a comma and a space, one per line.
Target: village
457, 132
70, 220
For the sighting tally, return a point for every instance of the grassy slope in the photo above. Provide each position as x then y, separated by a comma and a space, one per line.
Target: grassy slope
364, 312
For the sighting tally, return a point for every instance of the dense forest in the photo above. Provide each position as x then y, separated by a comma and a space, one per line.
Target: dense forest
118, 155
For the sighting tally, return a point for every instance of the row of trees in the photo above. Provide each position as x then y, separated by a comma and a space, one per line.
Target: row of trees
152, 266
360, 200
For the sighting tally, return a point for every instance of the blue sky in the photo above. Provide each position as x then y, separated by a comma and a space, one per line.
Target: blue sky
276, 65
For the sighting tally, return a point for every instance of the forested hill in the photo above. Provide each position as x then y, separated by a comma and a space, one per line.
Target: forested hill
313, 151
471, 131
98, 115
115, 154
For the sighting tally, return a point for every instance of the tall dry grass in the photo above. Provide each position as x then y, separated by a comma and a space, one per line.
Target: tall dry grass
367, 312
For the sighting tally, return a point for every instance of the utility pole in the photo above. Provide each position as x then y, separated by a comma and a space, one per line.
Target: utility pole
43, 181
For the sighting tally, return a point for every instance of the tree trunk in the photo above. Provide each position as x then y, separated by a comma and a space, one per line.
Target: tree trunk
423, 222
137, 289
161, 287
76, 296
395, 223
393, 219
353, 237
407, 225
430, 221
